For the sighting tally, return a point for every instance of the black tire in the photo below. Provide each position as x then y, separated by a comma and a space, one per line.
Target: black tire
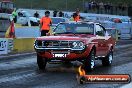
107, 61
82, 80
25, 24
89, 63
66, 62
32, 23
41, 62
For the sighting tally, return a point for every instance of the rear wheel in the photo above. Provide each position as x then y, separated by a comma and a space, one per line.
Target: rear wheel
31, 22
89, 63
107, 61
41, 62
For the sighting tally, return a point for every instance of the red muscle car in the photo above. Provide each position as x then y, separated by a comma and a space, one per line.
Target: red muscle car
76, 41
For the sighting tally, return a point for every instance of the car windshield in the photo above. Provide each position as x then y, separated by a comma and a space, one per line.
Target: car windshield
125, 20
27, 14
72, 28
7, 5
57, 20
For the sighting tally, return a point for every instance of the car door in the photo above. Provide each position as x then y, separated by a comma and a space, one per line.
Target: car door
102, 40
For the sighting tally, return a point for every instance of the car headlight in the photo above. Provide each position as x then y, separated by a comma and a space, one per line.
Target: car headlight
81, 45
78, 45
75, 44
38, 43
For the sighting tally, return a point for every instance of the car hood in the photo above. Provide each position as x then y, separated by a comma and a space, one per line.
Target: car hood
68, 37
34, 19
53, 26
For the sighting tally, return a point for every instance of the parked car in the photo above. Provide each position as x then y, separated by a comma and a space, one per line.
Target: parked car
76, 41
25, 18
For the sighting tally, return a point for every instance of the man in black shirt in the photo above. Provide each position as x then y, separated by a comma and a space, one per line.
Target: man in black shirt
36, 15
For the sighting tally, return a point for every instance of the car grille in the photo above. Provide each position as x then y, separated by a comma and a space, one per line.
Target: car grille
54, 44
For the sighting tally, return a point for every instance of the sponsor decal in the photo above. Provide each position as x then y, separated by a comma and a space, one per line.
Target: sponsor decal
82, 78
3, 46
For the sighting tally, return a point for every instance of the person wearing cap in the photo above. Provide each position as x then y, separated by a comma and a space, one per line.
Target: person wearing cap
14, 16
61, 14
55, 13
45, 23
36, 14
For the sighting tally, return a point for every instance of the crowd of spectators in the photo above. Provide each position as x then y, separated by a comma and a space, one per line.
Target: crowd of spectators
106, 8
59, 14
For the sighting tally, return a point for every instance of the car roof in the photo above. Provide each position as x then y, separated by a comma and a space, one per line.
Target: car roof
74, 22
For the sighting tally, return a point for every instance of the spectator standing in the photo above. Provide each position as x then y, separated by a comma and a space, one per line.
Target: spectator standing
119, 8
14, 16
61, 14
106, 8
20, 14
123, 9
36, 14
45, 23
89, 6
77, 15
97, 7
111, 8
55, 13
101, 7
116, 9
73, 17
94, 6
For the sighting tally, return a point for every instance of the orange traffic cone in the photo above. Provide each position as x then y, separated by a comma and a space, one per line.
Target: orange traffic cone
12, 30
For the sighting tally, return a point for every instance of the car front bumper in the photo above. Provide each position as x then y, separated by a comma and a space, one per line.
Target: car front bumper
66, 55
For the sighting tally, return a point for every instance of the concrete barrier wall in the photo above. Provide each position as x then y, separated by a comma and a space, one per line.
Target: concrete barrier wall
91, 15
24, 40
27, 32
6, 45
23, 45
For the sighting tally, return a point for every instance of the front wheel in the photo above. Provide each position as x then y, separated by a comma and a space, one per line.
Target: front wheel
89, 63
41, 62
107, 61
